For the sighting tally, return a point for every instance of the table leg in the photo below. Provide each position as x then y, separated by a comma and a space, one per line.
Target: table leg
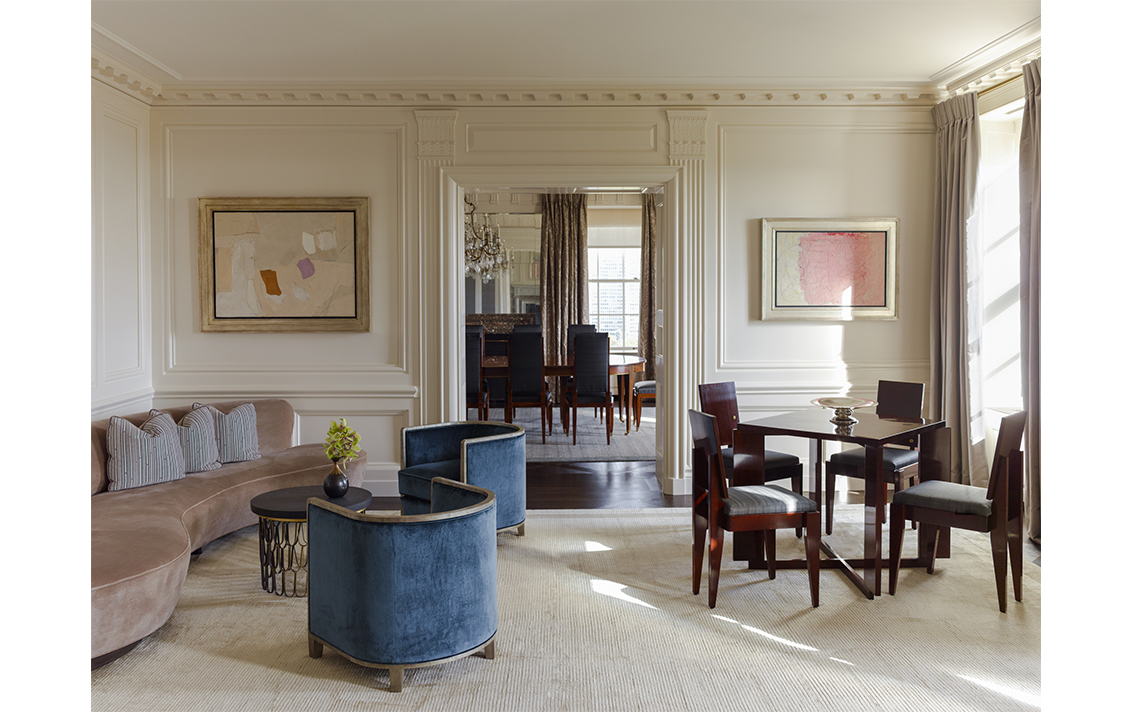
876, 496
563, 411
626, 393
817, 462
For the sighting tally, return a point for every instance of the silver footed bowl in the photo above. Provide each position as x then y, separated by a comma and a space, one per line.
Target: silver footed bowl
842, 407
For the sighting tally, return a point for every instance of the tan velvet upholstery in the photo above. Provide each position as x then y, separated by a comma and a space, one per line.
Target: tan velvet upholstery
141, 539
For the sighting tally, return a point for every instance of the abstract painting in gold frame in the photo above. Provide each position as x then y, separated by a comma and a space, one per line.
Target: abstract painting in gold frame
284, 264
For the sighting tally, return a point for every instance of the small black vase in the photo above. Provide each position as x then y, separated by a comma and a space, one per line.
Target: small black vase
335, 484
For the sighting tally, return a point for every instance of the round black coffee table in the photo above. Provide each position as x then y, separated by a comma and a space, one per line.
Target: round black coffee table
283, 534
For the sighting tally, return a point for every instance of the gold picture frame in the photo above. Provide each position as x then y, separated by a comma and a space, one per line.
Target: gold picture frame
284, 264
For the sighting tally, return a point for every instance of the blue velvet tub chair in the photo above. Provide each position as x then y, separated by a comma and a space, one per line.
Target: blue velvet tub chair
397, 592
483, 454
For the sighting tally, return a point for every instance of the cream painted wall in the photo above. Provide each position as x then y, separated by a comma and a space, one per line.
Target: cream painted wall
752, 163
121, 378
816, 163
368, 378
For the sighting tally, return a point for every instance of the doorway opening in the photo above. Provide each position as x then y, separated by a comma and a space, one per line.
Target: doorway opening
671, 454
504, 297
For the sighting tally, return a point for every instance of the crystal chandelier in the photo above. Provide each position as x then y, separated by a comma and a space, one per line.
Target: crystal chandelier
484, 252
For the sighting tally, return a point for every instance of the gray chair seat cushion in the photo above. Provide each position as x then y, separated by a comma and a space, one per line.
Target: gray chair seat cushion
895, 458
647, 387
765, 499
946, 496
416, 481
774, 462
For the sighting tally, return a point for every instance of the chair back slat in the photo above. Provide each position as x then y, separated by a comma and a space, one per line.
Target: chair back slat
525, 362
901, 400
1007, 450
718, 400
705, 437
573, 330
591, 363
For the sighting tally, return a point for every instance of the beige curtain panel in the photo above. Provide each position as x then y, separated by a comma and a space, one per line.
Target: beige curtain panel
955, 390
1030, 199
563, 287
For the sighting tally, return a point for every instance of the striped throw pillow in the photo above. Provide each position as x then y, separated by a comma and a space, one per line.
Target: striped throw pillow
236, 432
198, 440
143, 456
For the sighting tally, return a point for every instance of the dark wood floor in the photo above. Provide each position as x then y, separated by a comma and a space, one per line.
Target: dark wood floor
587, 485
617, 485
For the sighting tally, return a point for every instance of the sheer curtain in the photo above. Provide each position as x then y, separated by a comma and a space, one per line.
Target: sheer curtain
646, 335
956, 328
563, 286
1030, 201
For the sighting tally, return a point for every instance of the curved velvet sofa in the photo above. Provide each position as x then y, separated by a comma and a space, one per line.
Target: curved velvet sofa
478, 453
141, 539
397, 592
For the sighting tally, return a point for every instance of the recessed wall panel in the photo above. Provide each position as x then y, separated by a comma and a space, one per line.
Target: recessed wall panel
121, 322
562, 138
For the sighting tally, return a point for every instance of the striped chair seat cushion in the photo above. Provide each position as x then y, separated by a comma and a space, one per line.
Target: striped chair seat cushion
765, 499
646, 387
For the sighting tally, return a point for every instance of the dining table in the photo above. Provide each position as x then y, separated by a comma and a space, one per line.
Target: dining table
870, 432
623, 366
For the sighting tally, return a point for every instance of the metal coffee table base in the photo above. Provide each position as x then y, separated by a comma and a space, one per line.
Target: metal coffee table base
283, 557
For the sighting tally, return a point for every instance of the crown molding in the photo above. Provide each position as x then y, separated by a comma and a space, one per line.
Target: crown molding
993, 64
538, 93
122, 76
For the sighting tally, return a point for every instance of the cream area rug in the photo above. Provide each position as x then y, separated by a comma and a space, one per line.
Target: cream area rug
596, 613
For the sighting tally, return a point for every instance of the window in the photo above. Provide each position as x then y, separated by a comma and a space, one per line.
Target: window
615, 294
613, 253
995, 224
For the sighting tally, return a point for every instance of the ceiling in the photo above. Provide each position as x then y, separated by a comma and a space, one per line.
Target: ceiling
758, 42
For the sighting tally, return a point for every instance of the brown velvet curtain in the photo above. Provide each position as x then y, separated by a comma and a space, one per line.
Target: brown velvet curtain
1030, 200
955, 392
563, 287
646, 337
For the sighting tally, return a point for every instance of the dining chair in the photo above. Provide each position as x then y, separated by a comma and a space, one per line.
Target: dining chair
642, 391
526, 385
997, 509
591, 379
478, 394
897, 400
527, 329
717, 507
573, 330
496, 344
719, 400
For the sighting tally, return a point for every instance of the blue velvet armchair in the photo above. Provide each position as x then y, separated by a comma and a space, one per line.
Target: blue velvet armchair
401, 592
483, 454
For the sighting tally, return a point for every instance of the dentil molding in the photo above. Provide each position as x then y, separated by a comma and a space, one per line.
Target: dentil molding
136, 84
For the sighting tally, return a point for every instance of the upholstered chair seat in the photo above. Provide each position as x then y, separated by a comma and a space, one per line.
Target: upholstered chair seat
764, 499
483, 454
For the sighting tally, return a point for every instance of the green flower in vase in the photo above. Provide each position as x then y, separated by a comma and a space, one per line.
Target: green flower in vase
342, 441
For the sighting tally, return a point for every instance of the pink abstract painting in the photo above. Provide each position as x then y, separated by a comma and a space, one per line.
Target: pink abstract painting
830, 269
